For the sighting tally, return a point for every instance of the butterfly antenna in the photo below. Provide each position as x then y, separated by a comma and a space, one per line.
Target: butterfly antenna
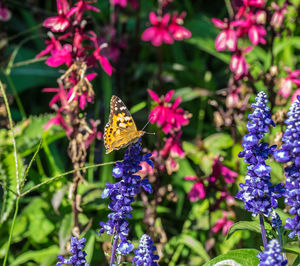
147, 125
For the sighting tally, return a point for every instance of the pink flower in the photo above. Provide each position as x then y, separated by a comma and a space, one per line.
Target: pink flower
80, 7
176, 29
232, 98
169, 117
94, 134
61, 55
106, 66
197, 192
159, 31
223, 223
238, 64
52, 44
60, 22
173, 146
278, 15
146, 170
5, 14
287, 83
255, 3
251, 26
295, 95
59, 120
227, 38
123, 3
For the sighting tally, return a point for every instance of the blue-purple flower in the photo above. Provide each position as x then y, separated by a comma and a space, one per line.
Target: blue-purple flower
290, 152
258, 194
271, 255
144, 255
122, 195
78, 257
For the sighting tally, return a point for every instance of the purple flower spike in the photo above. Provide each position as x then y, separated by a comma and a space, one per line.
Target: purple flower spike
258, 194
290, 151
144, 254
122, 195
271, 255
78, 258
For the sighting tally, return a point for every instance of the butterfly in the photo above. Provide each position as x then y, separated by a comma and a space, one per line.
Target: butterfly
120, 131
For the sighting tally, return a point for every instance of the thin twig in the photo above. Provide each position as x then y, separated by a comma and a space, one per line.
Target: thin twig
64, 174
12, 135
29, 61
30, 164
11, 230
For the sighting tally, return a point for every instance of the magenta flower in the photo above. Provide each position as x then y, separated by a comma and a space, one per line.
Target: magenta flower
176, 29
223, 224
278, 15
60, 22
197, 192
286, 83
238, 64
123, 3
52, 44
168, 117
5, 14
158, 33
106, 66
80, 7
295, 95
251, 26
254, 3
59, 120
232, 98
173, 146
61, 55
219, 169
227, 38
94, 134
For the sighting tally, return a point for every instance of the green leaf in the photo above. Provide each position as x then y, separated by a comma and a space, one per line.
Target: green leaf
90, 245
46, 254
195, 245
253, 226
218, 142
138, 107
208, 46
38, 220
33, 132
238, 257
65, 230
8, 178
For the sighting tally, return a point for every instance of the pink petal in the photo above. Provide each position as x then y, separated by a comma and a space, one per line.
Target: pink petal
169, 95
190, 178
295, 94
220, 42
91, 76
153, 95
218, 23
153, 18
165, 20
231, 40
253, 35
105, 65
148, 34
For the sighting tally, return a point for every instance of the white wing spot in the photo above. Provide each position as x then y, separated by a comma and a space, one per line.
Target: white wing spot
119, 101
122, 125
127, 118
116, 108
122, 108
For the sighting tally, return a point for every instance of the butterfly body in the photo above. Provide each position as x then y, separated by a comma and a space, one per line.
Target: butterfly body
120, 131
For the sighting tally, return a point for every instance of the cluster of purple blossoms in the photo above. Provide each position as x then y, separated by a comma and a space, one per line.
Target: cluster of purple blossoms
290, 152
144, 254
258, 193
122, 195
78, 257
271, 255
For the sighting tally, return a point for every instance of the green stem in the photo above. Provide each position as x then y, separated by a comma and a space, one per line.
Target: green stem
13, 137
64, 174
15, 93
229, 8
11, 231
29, 61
